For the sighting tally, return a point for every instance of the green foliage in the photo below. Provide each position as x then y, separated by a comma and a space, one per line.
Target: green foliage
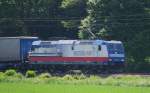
10, 76
92, 77
68, 77
74, 77
79, 77
70, 24
147, 59
139, 48
10, 72
73, 11
30, 74
44, 75
2, 76
31, 18
85, 28
70, 3
45, 78
95, 20
19, 76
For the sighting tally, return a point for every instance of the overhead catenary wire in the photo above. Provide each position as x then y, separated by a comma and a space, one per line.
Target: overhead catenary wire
126, 21
124, 16
78, 20
75, 26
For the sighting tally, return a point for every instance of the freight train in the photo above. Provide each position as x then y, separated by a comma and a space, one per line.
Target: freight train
36, 53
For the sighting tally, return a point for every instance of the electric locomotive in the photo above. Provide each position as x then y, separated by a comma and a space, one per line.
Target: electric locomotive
77, 52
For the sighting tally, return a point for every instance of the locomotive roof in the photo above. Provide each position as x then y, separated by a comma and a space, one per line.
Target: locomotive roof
68, 42
97, 42
118, 42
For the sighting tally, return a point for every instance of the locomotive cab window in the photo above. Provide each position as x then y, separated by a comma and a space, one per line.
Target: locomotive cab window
32, 48
99, 47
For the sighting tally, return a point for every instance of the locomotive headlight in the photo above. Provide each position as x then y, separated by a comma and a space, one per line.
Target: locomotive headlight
122, 60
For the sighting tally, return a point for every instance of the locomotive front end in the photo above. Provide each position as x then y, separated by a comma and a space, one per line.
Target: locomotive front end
116, 52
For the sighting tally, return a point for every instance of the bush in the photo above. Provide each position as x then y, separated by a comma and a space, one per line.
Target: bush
2, 76
30, 74
68, 77
45, 75
19, 75
79, 77
92, 77
1, 73
74, 77
10, 72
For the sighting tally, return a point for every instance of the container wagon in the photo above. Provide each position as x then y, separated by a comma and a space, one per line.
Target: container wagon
14, 50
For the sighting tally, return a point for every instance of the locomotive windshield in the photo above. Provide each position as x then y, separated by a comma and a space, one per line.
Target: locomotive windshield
115, 48
34, 47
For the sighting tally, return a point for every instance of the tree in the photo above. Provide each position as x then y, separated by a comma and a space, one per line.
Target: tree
36, 18
124, 20
73, 11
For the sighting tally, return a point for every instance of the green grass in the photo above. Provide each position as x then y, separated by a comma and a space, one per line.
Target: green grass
63, 88
45, 83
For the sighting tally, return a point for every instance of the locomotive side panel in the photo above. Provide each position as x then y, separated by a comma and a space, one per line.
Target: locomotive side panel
66, 50
76, 52
104, 51
84, 51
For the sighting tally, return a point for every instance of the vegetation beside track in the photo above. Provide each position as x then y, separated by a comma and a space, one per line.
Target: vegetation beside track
11, 76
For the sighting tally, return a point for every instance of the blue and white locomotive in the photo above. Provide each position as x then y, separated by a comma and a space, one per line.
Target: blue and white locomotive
98, 52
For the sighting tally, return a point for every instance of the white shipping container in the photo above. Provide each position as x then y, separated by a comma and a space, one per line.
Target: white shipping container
9, 49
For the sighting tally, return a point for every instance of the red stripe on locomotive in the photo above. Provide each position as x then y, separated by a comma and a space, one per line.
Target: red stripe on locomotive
68, 59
